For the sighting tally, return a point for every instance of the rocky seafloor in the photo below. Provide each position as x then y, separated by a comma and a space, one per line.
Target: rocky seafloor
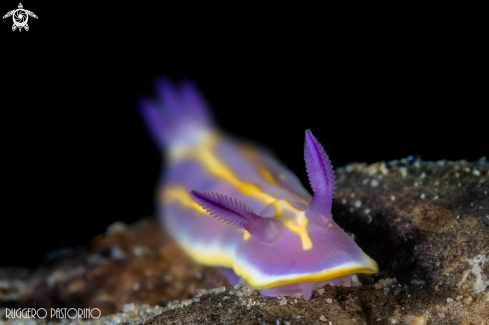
425, 223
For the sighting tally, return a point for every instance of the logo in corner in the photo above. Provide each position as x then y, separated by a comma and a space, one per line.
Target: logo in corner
20, 17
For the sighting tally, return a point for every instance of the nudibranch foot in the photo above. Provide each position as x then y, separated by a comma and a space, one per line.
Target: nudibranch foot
295, 289
306, 288
230, 275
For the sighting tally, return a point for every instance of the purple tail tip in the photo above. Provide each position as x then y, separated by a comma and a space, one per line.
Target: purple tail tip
177, 111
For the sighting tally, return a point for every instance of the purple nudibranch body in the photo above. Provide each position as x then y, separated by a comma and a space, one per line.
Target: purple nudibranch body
233, 205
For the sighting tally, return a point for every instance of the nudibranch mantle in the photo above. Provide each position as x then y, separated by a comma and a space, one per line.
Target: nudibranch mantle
231, 204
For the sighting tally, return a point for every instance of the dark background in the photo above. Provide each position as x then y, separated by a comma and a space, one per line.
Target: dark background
75, 156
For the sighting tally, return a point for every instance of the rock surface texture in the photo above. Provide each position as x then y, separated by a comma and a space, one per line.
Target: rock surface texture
425, 223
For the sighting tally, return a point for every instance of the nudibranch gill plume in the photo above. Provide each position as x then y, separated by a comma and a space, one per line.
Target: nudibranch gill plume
233, 205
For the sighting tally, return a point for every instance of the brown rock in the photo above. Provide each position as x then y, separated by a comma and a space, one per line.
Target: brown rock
425, 223
137, 263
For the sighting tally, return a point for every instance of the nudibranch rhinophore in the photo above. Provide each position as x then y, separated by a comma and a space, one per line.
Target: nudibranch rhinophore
231, 204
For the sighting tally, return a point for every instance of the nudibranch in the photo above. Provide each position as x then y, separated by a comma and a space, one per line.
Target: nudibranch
231, 204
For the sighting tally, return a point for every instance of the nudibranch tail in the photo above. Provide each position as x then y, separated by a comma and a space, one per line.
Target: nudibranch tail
322, 179
196, 103
237, 214
158, 127
179, 116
